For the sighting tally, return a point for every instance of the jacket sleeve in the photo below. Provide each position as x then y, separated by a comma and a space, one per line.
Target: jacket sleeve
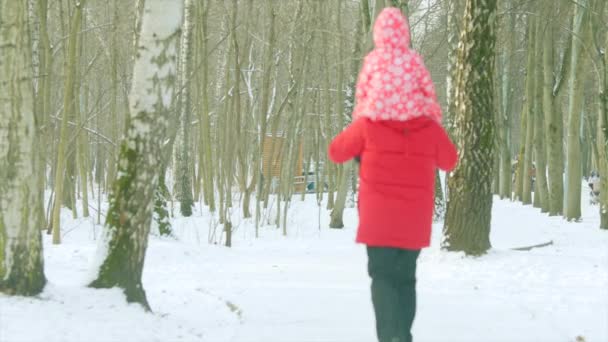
446, 154
348, 144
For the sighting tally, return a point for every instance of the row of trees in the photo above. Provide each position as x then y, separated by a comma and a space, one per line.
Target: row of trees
564, 63
200, 87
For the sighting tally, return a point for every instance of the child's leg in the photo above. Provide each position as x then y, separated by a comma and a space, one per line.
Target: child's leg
382, 267
407, 292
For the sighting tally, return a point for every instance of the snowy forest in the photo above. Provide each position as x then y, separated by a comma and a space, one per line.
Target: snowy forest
164, 171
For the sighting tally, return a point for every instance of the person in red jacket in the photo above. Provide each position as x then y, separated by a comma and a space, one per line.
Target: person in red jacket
397, 134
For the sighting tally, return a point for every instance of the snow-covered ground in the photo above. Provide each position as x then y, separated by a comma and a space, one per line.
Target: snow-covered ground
313, 286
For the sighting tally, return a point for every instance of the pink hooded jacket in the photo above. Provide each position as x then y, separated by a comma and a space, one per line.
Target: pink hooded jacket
394, 84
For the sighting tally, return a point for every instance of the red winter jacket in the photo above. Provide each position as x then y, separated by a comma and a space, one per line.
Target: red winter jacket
397, 177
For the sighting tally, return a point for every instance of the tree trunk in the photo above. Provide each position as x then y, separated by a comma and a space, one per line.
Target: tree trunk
112, 163
467, 229
602, 133
340, 202
519, 171
81, 138
330, 168
553, 120
603, 151
260, 178
21, 263
205, 125
506, 175
232, 126
338, 210
541, 196
526, 196
131, 202
574, 175
604, 127
184, 163
44, 91
439, 213
161, 210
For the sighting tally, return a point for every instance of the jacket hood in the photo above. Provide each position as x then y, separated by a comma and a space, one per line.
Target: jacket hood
393, 83
391, 30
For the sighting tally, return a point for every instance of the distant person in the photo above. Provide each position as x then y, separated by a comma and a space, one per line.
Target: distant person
397, 134
594, 186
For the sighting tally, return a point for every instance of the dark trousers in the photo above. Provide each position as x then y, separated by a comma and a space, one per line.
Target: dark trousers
393, 273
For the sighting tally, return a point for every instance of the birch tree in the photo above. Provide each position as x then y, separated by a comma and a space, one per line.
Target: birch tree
21, 264
131, 201
468, 216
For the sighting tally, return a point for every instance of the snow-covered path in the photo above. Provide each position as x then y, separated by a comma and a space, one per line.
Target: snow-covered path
313, 286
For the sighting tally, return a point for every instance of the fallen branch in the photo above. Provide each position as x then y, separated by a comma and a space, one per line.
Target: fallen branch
527, 248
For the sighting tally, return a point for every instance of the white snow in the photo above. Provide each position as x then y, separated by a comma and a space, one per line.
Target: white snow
313, 286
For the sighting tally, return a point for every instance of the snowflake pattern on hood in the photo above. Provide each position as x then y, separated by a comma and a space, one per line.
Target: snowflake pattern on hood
393, 83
